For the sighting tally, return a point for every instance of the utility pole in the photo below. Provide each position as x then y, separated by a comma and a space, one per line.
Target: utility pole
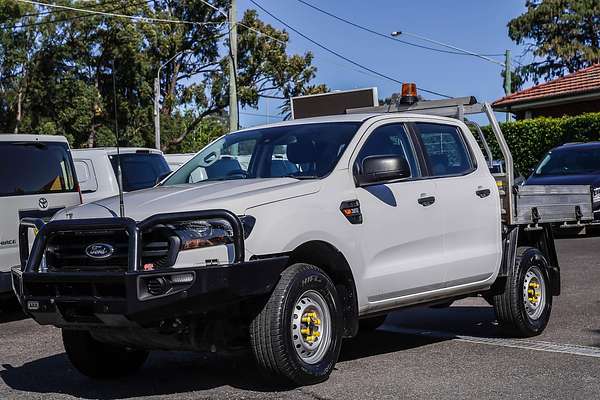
233, 101
507, 79
157, 111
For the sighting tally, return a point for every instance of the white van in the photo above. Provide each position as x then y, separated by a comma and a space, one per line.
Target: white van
37, 179
97, 170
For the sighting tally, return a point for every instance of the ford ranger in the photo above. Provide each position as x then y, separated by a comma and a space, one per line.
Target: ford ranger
290, 237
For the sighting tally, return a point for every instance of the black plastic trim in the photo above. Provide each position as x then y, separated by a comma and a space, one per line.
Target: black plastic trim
212, 288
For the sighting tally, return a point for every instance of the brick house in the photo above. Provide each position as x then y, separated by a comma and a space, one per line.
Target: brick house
572, 94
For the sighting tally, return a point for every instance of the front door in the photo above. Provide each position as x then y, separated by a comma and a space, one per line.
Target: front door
401, 237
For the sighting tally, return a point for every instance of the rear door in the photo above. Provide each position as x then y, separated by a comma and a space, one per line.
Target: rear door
36, 180
467, 194
400, 239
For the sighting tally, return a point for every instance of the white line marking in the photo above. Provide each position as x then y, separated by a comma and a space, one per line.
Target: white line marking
536, 345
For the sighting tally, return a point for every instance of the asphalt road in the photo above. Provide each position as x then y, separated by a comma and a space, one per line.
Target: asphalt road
420, 353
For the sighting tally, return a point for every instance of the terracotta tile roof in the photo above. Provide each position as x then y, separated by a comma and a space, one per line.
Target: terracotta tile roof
580, 82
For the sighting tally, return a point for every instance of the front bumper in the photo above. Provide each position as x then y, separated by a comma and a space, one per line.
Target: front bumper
117, 299
124, 298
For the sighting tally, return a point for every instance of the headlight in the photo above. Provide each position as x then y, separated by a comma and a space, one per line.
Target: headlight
204, 233
596, 192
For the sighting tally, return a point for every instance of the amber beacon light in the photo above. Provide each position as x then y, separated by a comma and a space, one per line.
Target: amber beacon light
409, 93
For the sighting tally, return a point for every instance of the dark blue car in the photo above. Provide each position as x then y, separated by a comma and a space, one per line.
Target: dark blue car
571, 164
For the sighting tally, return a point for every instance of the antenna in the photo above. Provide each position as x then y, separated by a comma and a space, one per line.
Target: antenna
119, 174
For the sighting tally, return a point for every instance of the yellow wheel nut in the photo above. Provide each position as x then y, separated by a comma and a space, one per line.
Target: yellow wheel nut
317, 333
305, 331
317, 321
306, 320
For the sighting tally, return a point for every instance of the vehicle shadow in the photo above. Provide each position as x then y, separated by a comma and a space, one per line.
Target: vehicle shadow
10, 311
180, 372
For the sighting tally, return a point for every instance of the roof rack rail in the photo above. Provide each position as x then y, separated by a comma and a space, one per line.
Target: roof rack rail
455, 108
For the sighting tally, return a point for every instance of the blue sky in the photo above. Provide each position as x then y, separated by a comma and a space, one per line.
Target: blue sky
476, 25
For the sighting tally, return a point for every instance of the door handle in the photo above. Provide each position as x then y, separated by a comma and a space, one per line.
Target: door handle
483, 193
426, 201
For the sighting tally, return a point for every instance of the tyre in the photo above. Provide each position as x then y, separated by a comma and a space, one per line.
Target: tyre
371, 323
298, 334
523, 310
100, 360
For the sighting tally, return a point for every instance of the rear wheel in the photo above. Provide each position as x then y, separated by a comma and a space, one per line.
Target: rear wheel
297, 334
100, 360
525, 306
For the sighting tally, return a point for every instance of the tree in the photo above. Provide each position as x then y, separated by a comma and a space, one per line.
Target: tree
562, 35
61, 64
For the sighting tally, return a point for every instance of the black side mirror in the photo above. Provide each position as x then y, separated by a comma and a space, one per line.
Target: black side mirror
381, 169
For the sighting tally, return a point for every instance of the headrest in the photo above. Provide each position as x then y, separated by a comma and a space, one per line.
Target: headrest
302, 152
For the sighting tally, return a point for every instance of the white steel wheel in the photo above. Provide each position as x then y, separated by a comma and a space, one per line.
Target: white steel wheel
311, 327
534, 292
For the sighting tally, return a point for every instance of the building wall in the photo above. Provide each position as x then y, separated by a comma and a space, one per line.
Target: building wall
570, 109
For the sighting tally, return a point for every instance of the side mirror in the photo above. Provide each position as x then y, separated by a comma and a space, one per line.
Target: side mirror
381, 169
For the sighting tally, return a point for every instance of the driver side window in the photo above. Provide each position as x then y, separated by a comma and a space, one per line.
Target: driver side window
390, 140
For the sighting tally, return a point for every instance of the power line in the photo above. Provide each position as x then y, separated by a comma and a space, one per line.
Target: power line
111, 14
364, 28
77, 16
239, 23
472, 53
338, 54
55, 11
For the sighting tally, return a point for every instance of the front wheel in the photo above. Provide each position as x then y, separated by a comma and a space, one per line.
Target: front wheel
524, 308
297, 334
100, 360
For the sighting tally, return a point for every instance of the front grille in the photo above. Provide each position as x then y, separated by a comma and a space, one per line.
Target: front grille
66, 251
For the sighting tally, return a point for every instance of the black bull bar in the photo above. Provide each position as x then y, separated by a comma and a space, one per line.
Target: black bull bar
208, 287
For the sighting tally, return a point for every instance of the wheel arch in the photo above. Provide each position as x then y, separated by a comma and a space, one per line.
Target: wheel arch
542, 239
327, 257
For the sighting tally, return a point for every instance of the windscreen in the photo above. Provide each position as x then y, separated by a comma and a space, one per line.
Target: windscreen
35, 168
304, 151
576, 161
140, 170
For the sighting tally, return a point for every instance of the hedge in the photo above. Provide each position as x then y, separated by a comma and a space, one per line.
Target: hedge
530, 139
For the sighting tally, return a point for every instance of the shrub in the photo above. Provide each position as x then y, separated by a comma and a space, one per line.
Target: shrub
529, 140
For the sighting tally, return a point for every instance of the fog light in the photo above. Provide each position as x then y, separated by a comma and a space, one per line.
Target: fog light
182, 278
158, 286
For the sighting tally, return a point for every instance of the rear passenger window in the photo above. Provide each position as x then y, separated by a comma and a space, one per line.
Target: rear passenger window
445, 149
389, 140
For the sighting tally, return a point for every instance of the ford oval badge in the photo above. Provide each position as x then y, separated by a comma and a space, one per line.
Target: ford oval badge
99, 251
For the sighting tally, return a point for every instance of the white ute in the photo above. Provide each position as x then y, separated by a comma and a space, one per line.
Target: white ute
288, 238
97, 170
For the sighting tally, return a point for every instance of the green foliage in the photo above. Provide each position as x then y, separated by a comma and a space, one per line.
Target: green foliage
530, 139
562, 35
56, 71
